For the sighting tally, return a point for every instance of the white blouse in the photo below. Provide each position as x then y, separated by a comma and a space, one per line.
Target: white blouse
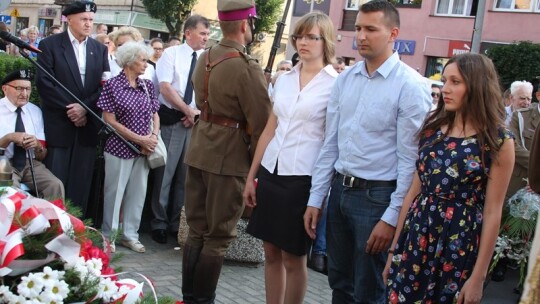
301, 117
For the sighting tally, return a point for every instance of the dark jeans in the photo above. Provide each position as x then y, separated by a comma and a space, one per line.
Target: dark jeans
354, 276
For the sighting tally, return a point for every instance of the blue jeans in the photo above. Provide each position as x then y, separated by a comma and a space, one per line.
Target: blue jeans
355, 276
319, 245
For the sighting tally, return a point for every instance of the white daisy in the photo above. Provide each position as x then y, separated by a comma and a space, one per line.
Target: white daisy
107, 290
31, 285
58, 291
52, 275
4, 293
94, 266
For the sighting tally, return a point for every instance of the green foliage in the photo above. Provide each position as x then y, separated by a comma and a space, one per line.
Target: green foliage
519, 61
172, 12
269, 12
9, 63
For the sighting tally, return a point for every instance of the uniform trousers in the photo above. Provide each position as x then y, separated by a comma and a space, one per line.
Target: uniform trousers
49, 186
213, 208
169, 180
74, 166
125, 183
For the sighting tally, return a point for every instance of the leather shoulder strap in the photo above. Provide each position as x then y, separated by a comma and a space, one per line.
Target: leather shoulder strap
209, 66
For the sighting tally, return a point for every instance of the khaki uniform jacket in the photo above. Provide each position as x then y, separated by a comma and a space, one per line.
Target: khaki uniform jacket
531, 119
237, 89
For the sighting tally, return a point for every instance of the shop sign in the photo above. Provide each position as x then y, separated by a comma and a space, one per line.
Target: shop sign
405, 47
47, 12
456, 47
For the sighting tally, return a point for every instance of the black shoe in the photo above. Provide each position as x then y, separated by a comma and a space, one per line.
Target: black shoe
159, 235
318, 262
498, 273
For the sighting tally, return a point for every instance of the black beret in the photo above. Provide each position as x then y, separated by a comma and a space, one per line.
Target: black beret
18, 75
79, 7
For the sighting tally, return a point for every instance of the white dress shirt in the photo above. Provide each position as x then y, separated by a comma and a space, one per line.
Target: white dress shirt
31, 117
173, 67
371, 128
80, 53
301, 116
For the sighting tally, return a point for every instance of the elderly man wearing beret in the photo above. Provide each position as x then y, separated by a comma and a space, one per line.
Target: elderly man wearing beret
21, 131
78, 62
231, 94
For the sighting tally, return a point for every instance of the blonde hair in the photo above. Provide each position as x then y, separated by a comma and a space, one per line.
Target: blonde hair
125, 31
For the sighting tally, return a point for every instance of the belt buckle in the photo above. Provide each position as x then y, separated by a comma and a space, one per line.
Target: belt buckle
350, 184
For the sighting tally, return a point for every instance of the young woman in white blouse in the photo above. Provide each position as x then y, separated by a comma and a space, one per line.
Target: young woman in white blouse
285, 157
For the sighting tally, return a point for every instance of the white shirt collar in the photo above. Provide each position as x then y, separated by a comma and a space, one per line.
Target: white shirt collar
72, 38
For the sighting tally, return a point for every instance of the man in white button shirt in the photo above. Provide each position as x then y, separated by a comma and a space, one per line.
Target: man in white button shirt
78, 62
368, 157
177, 116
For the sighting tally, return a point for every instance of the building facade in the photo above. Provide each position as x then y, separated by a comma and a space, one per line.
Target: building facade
21, 14
432, 31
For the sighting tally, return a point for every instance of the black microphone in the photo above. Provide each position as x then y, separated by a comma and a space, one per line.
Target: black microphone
18, 42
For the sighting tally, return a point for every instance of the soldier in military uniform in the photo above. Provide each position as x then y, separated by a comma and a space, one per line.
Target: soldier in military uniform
523, 125
230, 90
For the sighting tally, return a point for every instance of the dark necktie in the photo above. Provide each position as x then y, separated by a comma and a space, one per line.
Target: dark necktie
188, 93
19, 153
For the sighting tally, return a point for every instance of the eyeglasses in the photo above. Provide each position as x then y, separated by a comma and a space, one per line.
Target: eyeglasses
309, 37
433, 94
525, 98
20, 89
158, 49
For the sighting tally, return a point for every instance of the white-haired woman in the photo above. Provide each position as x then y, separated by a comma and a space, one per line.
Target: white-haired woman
129, 105
33, 33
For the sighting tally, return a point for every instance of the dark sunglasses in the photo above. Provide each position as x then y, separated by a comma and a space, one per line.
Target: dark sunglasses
433, 94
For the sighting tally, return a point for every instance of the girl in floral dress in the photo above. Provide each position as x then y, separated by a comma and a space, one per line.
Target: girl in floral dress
450, 217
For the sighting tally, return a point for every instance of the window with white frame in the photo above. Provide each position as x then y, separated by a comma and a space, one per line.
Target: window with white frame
456, 7
517, 5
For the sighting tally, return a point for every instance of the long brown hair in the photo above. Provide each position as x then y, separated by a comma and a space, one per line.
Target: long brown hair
482, 107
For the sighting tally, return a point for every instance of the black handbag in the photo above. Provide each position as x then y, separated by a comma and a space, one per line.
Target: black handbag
168, 116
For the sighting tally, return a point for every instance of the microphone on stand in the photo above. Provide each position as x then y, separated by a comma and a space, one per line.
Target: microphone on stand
18, 42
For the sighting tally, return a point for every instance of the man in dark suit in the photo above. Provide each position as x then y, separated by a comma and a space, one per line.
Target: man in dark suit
78, 62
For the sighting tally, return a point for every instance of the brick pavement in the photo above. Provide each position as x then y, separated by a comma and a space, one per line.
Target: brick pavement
238, 283
245, 284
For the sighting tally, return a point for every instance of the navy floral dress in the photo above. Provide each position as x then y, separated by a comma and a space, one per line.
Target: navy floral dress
438, 246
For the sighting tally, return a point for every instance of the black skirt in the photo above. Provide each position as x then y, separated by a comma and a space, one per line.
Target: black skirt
278, 216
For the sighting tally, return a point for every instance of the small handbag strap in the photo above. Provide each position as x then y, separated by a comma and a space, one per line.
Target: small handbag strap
149, 100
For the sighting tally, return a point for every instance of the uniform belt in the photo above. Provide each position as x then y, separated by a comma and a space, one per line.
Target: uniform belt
360, 183
223, 121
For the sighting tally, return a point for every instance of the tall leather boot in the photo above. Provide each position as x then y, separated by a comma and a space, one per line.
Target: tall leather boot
190, 257
206, 278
